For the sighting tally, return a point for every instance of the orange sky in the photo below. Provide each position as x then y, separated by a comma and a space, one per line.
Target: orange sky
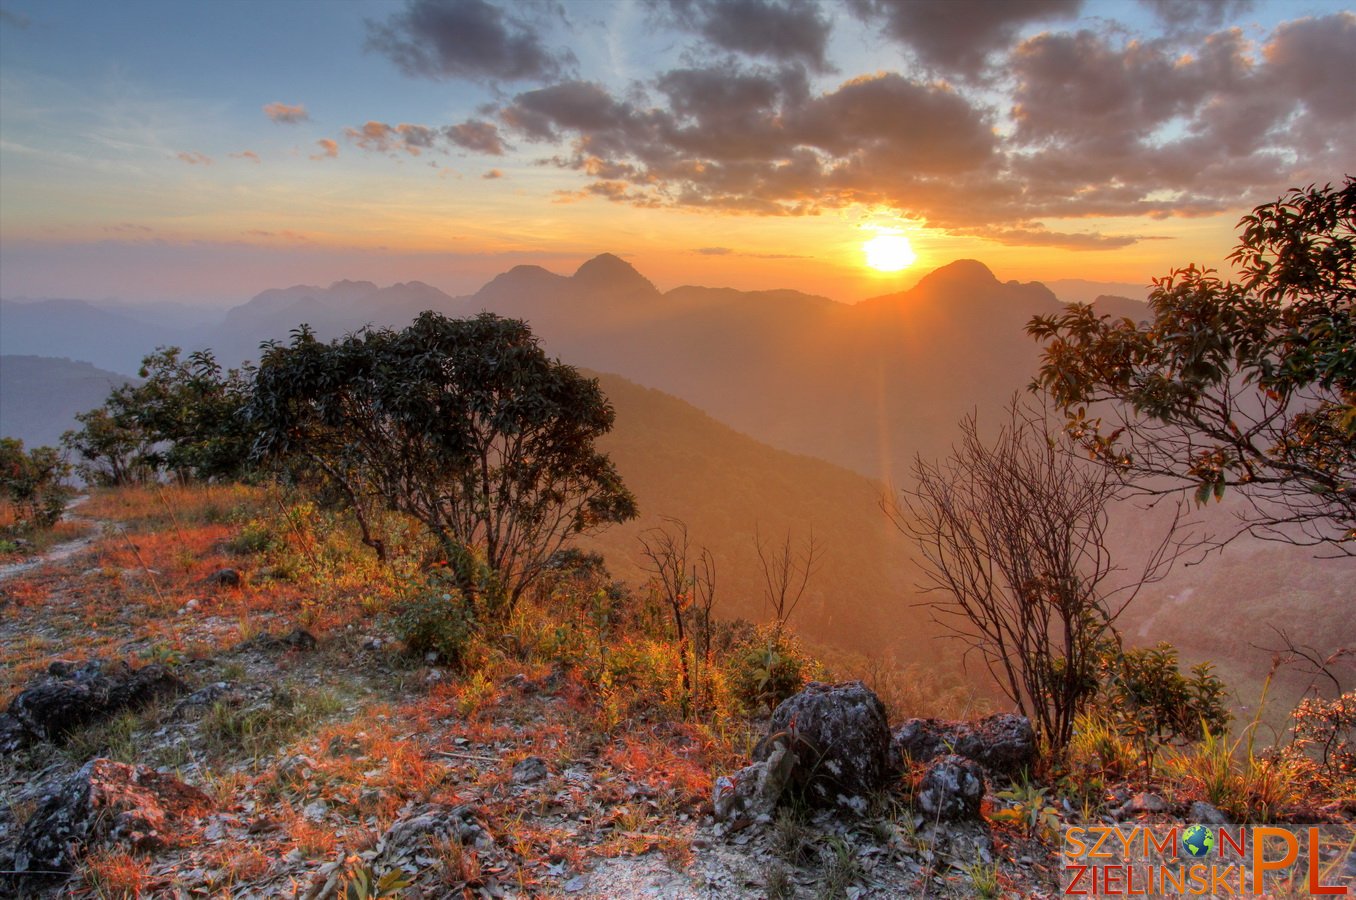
153, 150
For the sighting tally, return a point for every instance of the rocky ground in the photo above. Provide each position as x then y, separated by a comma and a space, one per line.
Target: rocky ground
181, 721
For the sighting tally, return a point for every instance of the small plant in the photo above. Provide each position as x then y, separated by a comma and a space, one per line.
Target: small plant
1325, 730
1029, 809
254, 538
779, 884
364, 884
116, 874
791, 837
841, 870
984, 879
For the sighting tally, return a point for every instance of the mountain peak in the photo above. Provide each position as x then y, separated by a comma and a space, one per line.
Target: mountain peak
612, 273
962, 272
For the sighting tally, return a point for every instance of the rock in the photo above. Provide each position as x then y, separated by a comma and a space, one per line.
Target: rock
225, 578
530, 770
1206, 814
1141, 804
952, 788
104, 803
315, 811
71, 696
412, 833
752, 794
296, 639
840, 739
1004, 743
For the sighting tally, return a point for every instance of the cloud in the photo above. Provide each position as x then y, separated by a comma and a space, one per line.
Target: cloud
383, 138
1037, 236
328, 149
713, 251
957, 36
194, 158
469, 39
1179, 14
246, 154
477, 136
283, 114
492, 175
792, 31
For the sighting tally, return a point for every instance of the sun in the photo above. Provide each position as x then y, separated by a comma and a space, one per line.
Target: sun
888, 252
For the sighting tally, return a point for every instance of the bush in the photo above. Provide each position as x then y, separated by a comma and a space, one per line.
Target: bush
769, 669
1325, 731
32, 483
434, 619
1152, 703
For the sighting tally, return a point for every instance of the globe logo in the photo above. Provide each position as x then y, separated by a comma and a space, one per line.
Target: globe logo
1197, 841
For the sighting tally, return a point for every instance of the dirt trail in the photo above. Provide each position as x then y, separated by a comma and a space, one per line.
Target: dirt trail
64, 550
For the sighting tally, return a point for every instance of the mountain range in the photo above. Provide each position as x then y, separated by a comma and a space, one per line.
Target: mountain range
864, 387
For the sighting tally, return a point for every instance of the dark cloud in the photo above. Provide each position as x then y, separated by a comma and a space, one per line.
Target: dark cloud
1205, 13
477, 136
285, 114
780, 30
465, 39
956, 36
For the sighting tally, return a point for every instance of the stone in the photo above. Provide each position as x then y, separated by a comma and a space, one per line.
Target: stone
840, 740
412, 833
1004, 743
225, 578
951, 788
751, 795
529, 770
1206, 814
71, 696
1143, 803
106, 803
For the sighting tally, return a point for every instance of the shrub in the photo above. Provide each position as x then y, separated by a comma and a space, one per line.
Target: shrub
434, 619
1325, 731
32, 483
1152, 703
769, 669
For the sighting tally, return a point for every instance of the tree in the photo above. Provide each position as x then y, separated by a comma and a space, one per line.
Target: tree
1013, 531
463, 424
185, 417
688, 588
33, 483
1248, 385
111, 452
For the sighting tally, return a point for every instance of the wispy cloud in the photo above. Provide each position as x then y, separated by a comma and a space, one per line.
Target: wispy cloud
194, 158
328, 149
286, 114
246, 154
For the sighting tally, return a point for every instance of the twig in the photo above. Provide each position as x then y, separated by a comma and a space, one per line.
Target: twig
448, 754
136, 551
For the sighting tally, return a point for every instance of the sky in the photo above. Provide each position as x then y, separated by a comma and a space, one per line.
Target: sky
209, 150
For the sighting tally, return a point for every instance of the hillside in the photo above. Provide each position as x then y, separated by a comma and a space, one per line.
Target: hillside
40, 396
725, 486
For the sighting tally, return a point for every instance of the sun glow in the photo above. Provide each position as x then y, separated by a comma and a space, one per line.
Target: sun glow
889, 252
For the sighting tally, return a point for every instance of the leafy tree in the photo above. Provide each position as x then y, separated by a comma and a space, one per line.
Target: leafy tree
111, 451
1013, 532
185, 417
464, 424
33, 483
1248, 385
